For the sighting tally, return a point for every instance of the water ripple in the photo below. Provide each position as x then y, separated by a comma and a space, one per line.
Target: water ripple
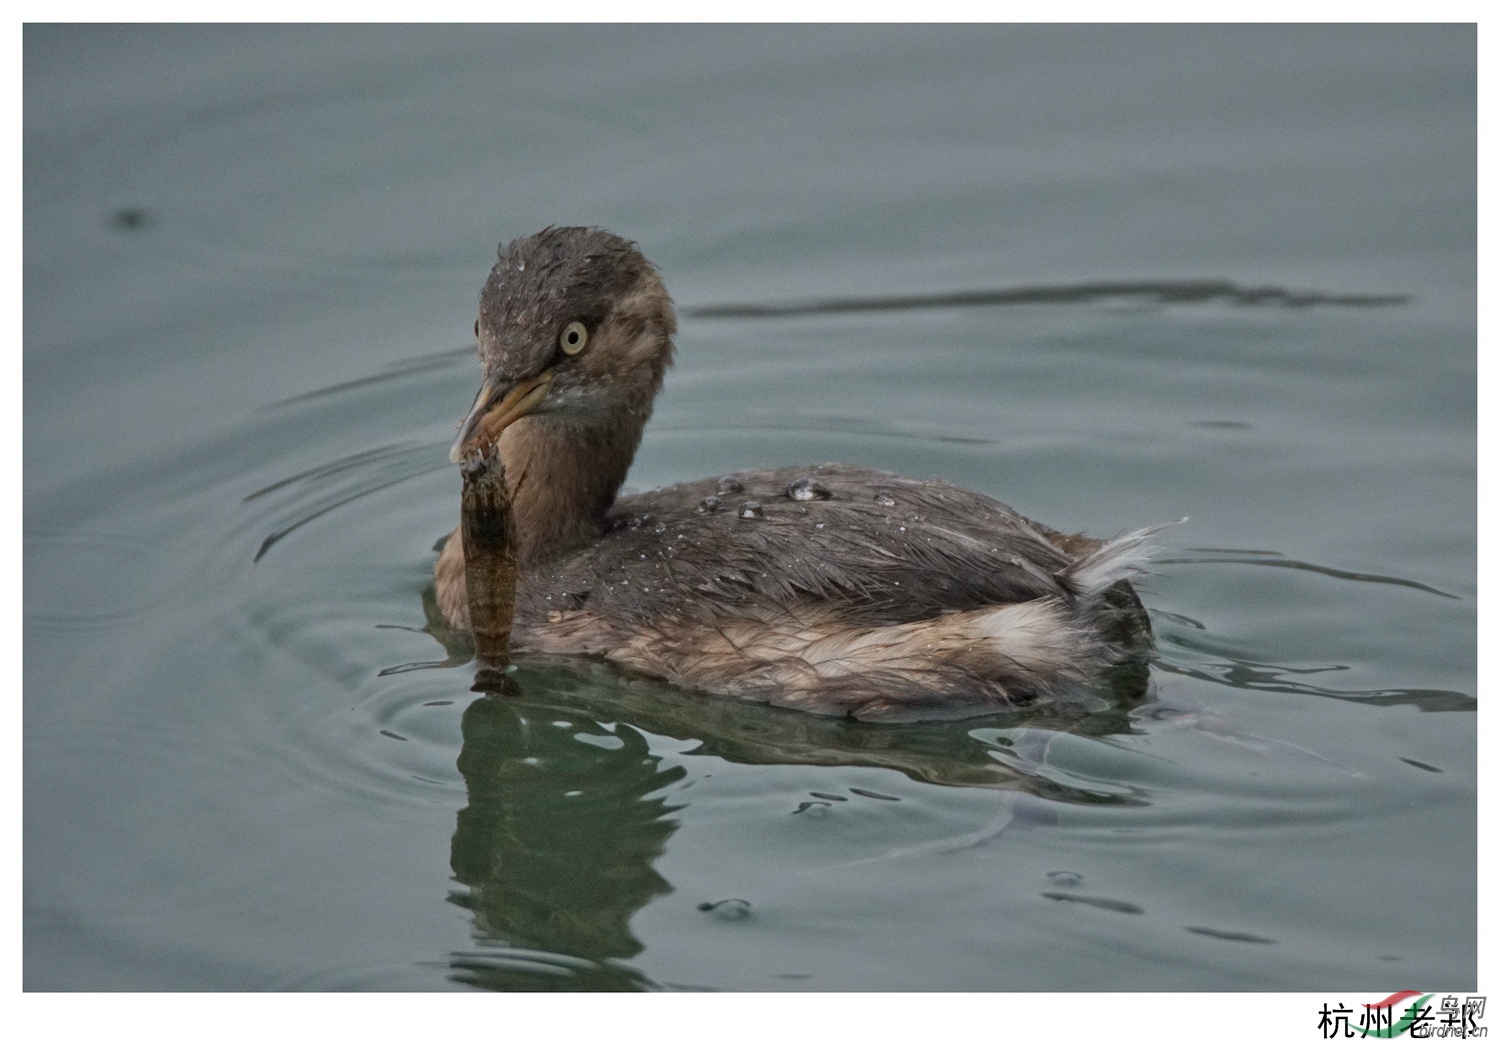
512, 968
1241, 674
1188, 291
391, 465
417, 365
1306, 566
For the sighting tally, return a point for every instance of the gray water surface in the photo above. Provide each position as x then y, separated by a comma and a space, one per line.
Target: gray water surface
1112, 276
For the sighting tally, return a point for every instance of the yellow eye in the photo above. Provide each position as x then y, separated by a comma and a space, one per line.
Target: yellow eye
574, 337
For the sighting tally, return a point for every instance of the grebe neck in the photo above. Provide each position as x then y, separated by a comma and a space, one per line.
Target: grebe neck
563, 474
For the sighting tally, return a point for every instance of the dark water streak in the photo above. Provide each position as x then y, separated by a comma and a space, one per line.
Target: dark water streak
1188, 291
1308, 566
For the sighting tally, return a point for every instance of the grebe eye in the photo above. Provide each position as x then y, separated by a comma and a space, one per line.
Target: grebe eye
574, 336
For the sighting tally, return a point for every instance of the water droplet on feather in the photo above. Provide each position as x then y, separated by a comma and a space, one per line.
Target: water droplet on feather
806, 489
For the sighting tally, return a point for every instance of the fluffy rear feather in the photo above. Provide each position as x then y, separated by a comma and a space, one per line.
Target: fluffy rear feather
1123, 557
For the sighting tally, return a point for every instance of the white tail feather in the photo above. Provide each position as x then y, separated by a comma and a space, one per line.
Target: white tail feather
1123, 557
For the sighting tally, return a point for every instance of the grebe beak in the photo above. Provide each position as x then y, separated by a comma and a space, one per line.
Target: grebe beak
493, 410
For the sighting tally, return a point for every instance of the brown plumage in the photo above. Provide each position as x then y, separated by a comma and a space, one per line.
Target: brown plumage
829, 588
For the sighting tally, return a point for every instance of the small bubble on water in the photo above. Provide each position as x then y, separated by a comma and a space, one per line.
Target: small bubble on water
806, 489
711, 504
729, 484
1065, 878
884, 498
750, 510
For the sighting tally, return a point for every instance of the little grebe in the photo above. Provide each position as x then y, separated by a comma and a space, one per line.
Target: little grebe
830, 588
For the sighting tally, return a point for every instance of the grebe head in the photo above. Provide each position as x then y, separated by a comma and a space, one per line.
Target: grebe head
575, 327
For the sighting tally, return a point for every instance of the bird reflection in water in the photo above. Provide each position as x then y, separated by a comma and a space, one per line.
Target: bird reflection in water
567, 813
565, 820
